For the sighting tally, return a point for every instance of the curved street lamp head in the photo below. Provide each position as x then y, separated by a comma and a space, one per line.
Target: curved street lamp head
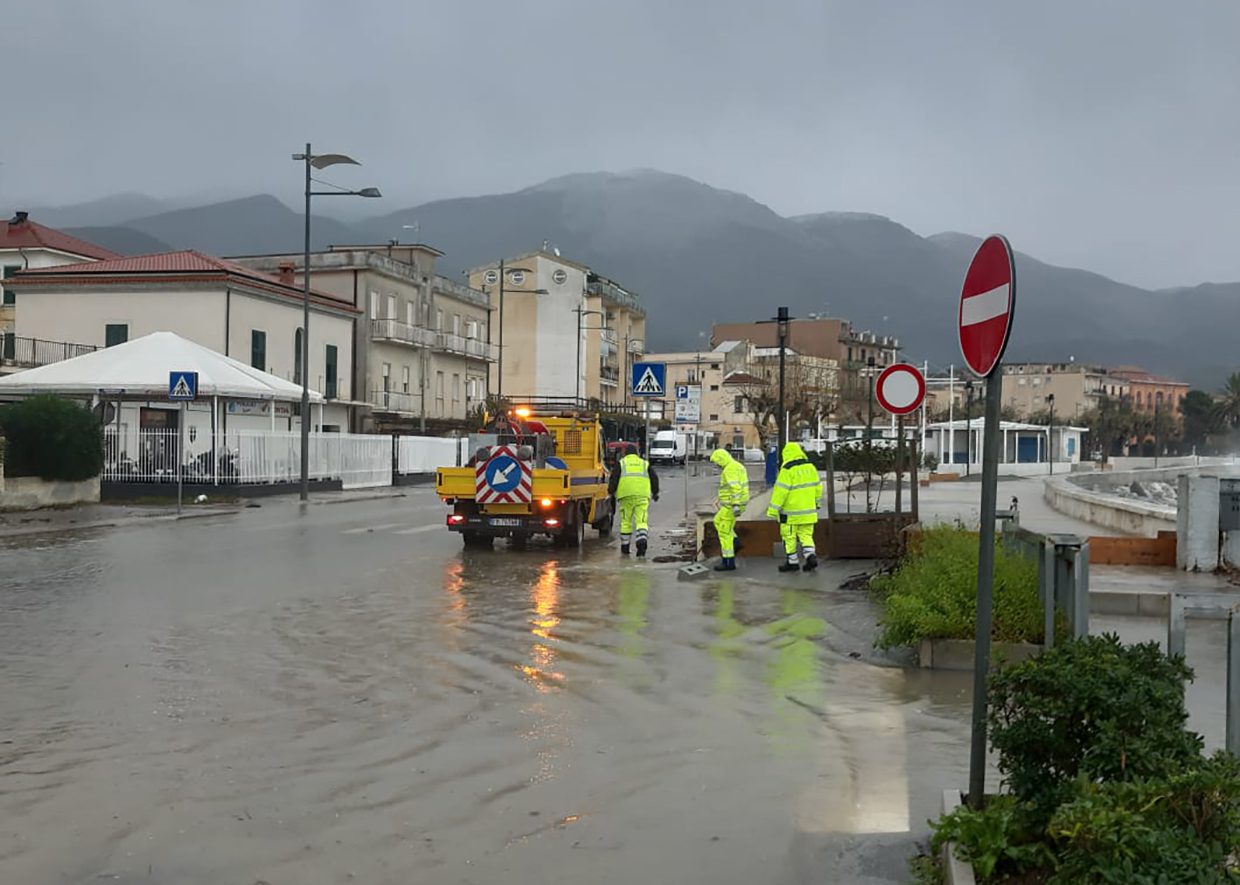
322, 161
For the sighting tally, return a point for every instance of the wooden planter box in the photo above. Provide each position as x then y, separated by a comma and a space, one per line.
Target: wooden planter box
957, 654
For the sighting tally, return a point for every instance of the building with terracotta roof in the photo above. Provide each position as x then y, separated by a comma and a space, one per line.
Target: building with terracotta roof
1149, 393
26, 245
249, 315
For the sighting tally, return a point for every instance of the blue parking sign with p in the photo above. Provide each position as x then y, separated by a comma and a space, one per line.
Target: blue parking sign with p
648, 379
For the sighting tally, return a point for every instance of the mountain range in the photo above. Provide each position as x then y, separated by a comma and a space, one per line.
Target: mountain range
699, 255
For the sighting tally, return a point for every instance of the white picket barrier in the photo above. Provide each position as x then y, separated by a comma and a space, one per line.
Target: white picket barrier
247, 456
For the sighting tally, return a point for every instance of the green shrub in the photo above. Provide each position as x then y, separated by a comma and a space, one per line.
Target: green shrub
1180, 828
995, 840
933, 593
52, 438
1091, 708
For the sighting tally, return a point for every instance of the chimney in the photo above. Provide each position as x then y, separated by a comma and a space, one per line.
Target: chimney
286, 272
19, 218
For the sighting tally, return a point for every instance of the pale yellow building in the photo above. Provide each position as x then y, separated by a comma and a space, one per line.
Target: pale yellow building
563, 332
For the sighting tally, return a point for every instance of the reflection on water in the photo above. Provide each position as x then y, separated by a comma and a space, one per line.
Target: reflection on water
545, 594
632, 599
794, 673
727, 646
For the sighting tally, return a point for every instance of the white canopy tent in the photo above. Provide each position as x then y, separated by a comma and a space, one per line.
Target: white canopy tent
139, 369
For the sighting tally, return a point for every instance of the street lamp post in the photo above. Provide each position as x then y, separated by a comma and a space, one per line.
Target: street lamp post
1050, 434
1157, 400
321, 161
581, 311
968, 434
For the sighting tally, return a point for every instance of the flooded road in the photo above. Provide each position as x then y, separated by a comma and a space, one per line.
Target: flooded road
345, 695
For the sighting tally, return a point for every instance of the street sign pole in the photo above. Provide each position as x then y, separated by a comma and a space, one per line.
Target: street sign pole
180, 457
986, 309
985, 585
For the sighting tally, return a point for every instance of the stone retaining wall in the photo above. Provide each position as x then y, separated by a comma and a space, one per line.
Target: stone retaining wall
31, 493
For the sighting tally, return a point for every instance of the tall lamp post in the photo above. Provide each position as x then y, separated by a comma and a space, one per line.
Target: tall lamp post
1050, 434
1157, 400
968, 434
321, 161
581, 312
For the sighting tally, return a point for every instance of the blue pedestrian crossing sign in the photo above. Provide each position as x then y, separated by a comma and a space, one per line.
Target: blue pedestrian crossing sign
182, 385
648, 379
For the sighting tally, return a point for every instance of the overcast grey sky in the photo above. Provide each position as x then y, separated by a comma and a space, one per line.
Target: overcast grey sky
1101, 134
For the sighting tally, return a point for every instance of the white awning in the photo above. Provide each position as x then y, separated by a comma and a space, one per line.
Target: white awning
139, 369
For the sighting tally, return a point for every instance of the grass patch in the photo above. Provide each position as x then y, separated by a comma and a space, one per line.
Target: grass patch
932, 594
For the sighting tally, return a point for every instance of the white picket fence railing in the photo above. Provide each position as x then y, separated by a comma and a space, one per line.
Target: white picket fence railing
265, 456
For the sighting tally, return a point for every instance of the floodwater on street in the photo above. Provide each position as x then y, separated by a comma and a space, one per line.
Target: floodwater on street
336, 694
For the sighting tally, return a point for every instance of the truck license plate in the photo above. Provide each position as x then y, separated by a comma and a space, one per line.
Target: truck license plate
504, 521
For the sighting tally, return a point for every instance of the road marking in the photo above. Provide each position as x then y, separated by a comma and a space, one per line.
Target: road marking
372, 528
419, 530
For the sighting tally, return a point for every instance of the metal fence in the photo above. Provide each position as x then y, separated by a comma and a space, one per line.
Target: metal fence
1063, 574
245, 456
30, 352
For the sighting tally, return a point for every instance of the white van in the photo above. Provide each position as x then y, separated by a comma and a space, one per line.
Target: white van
669, 447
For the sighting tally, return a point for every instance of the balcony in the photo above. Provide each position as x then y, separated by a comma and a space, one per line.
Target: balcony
395, 330
28, 353
608, 336
395, 402
609, 375
469, 347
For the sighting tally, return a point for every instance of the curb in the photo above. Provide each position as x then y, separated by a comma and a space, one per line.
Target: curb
955, 870
359, 499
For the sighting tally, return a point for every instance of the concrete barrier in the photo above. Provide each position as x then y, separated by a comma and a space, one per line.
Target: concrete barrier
31, 493
1069, 497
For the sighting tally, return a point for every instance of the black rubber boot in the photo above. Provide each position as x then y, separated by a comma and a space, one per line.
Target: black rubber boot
811, 563
641, 549
624, 549
789, 567
727, 564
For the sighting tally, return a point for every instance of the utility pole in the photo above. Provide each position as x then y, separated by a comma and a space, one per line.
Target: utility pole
499, 374
951, 414
1157, 397
782, 326
1050, 434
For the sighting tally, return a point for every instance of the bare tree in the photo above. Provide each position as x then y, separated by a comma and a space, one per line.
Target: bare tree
810, 392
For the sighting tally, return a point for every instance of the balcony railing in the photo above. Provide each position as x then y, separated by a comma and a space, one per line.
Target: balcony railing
27, 353
395, 401
395, 330
470, 347
609, 375
607, 335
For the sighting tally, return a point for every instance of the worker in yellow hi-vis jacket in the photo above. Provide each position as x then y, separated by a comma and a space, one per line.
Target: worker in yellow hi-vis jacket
633, 483
795, 499
733, 496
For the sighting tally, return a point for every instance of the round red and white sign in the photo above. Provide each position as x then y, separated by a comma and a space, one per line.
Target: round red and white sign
900, 388
987, 304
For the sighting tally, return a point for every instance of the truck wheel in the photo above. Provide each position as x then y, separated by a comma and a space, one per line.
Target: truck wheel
576, 537
604, 525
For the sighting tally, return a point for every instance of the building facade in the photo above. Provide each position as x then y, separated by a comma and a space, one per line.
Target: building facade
564, 333
724, 417
1076, 388
421, 340
1148, 393
239, 312
28, 245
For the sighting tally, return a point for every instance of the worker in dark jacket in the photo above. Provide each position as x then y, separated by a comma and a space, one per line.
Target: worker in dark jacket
632, 484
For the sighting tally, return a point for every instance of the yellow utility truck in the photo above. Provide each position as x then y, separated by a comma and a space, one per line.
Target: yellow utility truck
530, 474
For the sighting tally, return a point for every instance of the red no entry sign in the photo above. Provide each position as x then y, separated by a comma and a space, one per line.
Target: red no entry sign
900, 388
987, 303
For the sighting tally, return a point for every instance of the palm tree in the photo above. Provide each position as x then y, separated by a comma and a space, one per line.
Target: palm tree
1227, 407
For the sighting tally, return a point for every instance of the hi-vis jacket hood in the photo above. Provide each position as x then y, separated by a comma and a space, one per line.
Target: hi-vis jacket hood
721, 457
792, 452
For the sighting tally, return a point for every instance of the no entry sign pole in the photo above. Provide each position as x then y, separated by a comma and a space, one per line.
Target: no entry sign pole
987, 304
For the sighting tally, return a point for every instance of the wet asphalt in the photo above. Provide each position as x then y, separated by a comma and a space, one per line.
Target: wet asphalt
340, 693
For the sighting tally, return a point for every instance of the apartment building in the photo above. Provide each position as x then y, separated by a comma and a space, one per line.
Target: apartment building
563, 331
421, 340
234, 310
837, 340
1076, 388
28, 245
1148, 392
